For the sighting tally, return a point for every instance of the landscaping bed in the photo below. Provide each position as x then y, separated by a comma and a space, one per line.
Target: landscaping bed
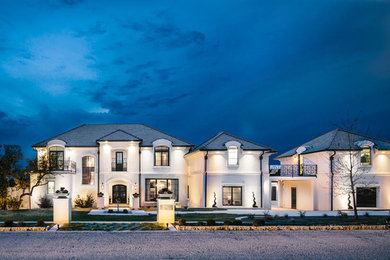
112, 227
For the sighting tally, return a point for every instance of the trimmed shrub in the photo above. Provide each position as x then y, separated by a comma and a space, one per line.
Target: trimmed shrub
251, 216
325, 215
210, 222
21, 224
342, 214
84, 203
110, 211
125, 211
226, 223
182, 222
286, 215
302, 214
237, 222
45, 202
8, 223
40, 223
200, 223
276, 217
259, 222
366, 214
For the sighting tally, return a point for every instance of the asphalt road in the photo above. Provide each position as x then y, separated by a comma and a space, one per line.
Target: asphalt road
197, 245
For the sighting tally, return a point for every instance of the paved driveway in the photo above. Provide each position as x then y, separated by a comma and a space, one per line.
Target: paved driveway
202, 244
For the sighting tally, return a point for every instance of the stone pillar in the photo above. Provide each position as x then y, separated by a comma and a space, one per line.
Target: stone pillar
62, 210
165, 211
135, 203
100, 202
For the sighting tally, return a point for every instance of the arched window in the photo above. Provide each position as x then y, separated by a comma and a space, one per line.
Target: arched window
56, 158
233, 155
161, 156
88, 170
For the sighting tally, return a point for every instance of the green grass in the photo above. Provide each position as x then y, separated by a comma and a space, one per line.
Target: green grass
204, 217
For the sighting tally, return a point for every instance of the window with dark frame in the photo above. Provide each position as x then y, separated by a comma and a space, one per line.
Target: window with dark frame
161, 156
300, 164
273, 193
56, 158
232, 196
88, 170
119, 161
366, 197
155, 186
365, 155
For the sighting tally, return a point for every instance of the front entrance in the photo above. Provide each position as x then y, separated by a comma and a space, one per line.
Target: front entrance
293, 197
119, 193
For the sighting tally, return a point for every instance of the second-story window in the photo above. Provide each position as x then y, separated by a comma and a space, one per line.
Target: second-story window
161, 156
300, 164
56, 158
365, 155
88, 170
119, 161
233, 155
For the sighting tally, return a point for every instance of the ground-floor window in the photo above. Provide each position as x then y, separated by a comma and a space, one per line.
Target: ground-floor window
366, 197
50, 187
273, 193
156, 186
232, 196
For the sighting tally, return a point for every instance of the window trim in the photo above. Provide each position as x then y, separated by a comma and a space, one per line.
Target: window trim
54, 187
236, 153
231, 191
166, 179
56, 152
118, 169
160, 155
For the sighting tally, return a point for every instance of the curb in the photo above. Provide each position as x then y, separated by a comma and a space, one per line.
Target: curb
279, 228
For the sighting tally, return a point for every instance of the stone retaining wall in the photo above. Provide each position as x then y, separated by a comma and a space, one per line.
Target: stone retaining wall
273, 228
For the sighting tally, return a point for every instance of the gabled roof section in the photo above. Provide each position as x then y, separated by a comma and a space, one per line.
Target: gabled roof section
337, 140
218, 142
119, 135
88, 135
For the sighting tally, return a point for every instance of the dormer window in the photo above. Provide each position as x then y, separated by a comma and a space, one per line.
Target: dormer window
365, 155
233, 155
161, 156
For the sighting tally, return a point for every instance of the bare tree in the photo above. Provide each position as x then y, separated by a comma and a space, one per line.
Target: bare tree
348, 173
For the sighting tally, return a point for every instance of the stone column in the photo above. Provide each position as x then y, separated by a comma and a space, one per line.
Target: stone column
165, 211
62, 210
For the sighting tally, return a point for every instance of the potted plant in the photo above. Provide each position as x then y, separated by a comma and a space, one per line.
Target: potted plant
62, 193
165, 193
100, 194
135, 195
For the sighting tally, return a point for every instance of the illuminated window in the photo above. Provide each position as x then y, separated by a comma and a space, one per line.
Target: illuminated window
88, 170
232, 196
158, 186
161, 156
50, 187
233, 155
56, 158
300, 162
365, 155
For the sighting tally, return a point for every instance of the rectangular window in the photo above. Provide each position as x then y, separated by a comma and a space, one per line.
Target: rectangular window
156, 186
56, 158
119, 161
50, 187
300, 162
273, 193
366, 197
232, 196
161, 156
365, 155
88, 170
233, 155
188, 191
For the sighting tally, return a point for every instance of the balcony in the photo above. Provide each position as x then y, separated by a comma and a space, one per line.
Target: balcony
68, 166
292, 170
117, 167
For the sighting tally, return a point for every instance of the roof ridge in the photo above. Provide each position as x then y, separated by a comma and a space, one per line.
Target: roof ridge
117, 131
208, 140
248, 141
365, 136
60, 134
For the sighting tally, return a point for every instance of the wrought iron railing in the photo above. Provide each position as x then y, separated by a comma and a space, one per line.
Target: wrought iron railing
293, 170
68, 166
116, 167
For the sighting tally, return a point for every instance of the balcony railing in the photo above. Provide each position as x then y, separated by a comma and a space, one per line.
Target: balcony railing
293, 170
115, 167
69, 166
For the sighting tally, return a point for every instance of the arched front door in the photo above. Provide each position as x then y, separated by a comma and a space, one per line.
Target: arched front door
119, 192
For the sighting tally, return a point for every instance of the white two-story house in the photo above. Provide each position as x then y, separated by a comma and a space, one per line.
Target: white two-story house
308, 178
120, 160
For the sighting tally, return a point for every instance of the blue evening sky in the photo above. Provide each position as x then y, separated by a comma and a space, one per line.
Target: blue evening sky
275, 72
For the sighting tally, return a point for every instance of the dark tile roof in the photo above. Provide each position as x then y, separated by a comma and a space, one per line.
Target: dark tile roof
89, 134
218, 141
337, 139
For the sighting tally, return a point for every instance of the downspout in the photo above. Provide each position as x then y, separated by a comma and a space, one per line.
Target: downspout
139, 176
331, 158
261, 179
98, 170
205, 179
